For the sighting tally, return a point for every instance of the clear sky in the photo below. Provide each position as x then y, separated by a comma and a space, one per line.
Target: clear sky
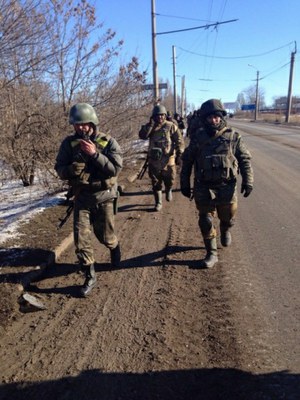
215, 61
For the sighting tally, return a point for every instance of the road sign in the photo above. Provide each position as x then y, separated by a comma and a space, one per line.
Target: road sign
248, 107
230, 106
151, 86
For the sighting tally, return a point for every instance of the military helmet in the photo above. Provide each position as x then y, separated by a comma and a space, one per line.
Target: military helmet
83, 113
159, 109
212, 106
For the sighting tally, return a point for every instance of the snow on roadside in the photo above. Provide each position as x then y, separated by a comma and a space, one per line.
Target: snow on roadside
19, 204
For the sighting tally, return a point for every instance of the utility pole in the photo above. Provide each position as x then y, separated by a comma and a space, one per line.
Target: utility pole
256, 97
182, 95
174, 79
154, 53
257, 93
290, 96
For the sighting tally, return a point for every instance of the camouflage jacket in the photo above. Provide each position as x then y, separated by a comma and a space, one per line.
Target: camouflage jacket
100, 172
165, 142
216, 159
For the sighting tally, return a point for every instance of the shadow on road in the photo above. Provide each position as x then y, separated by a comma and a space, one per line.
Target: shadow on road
154, 259
204, 384
17, 263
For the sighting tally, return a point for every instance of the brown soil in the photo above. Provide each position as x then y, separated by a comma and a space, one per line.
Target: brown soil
158, 328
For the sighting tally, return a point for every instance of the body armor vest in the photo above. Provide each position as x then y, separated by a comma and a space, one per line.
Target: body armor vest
215, 161
161, 148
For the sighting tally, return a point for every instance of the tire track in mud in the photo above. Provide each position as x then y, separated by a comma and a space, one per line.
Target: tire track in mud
158, 312
200, 312
138, 306
213, 319
154, 313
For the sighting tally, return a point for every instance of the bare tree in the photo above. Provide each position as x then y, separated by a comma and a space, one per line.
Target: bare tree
23, 40
51, 62
248, 96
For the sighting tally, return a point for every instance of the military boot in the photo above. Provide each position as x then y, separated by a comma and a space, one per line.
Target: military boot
225, 237
158, 200
211, 257
90, 280
115, 257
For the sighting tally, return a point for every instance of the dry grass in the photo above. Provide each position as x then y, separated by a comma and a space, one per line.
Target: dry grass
275, 118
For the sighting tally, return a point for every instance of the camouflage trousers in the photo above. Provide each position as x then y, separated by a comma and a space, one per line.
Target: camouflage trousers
215, 202
164, 176
100, 218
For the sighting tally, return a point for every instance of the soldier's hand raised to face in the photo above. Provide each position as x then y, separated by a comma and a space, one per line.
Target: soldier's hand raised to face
88, 147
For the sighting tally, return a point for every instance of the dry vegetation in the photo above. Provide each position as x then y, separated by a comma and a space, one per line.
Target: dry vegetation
54, 54
270, 117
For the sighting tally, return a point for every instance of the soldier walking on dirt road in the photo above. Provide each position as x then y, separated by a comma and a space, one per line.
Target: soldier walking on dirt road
91, 161
166, 146
216, 153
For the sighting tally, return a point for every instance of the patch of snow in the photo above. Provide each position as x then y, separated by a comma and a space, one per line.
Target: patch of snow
19, 204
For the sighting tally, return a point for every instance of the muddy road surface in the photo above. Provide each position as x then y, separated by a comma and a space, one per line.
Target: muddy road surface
162, 328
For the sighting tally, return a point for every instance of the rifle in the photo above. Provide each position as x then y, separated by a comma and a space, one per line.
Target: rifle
78, 157
143, 169
67, 216
69, 210
140, 174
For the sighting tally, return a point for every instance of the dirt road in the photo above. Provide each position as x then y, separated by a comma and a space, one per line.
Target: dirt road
159, 327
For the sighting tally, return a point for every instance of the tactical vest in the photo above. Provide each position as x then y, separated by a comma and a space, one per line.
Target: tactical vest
215, 161
160, 145
92, 176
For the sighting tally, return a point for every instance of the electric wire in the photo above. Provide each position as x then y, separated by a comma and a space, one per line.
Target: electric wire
236, 57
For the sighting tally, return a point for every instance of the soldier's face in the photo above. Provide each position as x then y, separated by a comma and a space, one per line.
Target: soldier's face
83, 128
213, 119
160, 118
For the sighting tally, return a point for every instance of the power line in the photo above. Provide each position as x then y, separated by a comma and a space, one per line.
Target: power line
273, 72
236, 57
178, 17
216, 24
245, 80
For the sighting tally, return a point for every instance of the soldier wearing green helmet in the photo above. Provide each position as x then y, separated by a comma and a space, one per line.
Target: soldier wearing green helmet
216, 153
91, 162
83, 113
166, 146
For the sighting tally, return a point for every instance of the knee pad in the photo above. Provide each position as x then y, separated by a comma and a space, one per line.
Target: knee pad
205, 223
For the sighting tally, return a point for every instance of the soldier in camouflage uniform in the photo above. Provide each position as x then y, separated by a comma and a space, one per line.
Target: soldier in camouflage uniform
194, 123
180, 121
166, 146
91, 161
215, 153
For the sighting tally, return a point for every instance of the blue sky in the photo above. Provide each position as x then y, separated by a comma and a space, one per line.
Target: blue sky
214, 61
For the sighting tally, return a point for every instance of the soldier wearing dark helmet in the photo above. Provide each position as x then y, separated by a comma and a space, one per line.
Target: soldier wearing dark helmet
91, 161
166, 146
215, 153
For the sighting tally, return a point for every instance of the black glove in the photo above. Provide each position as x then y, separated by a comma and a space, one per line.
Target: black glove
186, 192
246, 189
